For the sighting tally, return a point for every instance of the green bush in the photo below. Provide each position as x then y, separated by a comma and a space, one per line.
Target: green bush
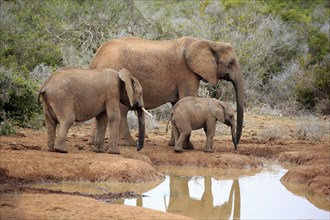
312, 88
18, 99
283, 46
24, 39
6, 128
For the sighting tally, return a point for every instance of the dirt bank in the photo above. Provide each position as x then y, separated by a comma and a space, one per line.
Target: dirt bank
30, 206
25, 159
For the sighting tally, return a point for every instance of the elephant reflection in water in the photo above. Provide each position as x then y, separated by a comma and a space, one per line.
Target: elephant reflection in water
181, 203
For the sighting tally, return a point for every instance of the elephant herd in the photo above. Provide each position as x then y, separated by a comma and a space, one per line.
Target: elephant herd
138, 74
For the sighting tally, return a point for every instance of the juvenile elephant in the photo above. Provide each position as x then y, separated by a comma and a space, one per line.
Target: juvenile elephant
191, 113
75, 94
172, 69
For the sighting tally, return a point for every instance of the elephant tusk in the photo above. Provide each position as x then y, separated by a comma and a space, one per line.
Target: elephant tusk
148, 113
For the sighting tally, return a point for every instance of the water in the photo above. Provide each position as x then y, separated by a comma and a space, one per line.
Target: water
214, 196
261, 196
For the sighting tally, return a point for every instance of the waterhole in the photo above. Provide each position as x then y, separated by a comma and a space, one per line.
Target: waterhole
211, 194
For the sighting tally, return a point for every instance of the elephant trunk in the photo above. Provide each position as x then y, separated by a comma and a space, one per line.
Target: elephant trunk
233, 136
141, 119
239, 90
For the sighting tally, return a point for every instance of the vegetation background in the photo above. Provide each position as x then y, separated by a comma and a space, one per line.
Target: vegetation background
282, 45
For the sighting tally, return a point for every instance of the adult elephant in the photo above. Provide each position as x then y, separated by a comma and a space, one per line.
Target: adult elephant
171, 69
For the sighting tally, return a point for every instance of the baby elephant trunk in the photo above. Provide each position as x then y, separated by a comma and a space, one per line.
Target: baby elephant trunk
233, 135
141, 119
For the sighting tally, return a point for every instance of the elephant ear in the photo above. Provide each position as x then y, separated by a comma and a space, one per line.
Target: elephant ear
201, 60
217, 109
126, 77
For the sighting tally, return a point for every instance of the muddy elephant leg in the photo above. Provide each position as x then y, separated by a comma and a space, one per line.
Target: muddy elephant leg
179, 142
125, 136
51, 133
175, 132
183, 133
114, 123
187, 144
209, 131
60, 145
90, 140
171, 142
101, 126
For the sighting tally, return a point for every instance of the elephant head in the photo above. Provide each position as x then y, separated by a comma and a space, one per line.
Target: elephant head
224, 113
132, 96
213, 61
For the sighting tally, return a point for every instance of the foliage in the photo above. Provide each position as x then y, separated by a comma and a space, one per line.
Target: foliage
6, 128
18, 98
283, 46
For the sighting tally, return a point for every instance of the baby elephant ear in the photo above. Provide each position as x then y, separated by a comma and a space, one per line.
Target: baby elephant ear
216, 109
126, 77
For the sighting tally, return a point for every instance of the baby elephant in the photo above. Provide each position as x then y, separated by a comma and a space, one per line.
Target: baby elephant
191, 113
75, 94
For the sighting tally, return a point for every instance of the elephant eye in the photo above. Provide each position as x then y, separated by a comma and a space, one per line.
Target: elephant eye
231, 63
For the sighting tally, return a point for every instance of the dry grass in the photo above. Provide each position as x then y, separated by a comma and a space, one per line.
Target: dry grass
272, 133
311, 129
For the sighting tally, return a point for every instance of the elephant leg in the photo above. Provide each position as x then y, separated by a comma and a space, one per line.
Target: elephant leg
183, 132
187, 144
175, 132
60, 145
101, 126
90, 140
178, 144
51, 132
114, 123
125, 135
209, 131
172, 140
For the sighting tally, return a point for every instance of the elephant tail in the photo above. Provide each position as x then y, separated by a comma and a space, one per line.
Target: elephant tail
39, 96
168, 121
43, 96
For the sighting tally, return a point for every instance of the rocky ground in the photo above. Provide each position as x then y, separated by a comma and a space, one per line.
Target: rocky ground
24, 159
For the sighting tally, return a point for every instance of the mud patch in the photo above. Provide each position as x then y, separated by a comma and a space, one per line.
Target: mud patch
39, 166
310, 181
56, 206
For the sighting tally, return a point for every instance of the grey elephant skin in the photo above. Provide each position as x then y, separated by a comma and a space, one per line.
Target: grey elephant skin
191, 113
172, 69
74, 94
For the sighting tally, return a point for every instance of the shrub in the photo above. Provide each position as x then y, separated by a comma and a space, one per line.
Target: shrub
6, 128
18, 99
271, 133
310, 129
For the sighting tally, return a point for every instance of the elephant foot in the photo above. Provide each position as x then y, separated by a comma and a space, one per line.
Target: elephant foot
171, 142
61, 149
98, 149
51, 149
178, 149
208, 150
188, 146
114, 150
